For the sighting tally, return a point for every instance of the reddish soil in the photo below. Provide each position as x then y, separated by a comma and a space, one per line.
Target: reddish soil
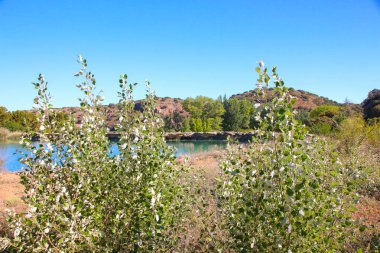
368, 209
11, 192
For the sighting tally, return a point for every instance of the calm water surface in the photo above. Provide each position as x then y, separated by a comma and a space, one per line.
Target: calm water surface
9, 155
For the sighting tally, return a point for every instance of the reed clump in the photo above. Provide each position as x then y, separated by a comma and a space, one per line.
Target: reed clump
5, 134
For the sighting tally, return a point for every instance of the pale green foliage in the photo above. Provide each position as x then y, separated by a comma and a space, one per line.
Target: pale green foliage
286, 191
358, 145
352, 133
373, 133
206, 113
84, 198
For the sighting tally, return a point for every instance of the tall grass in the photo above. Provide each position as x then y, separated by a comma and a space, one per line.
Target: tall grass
5, 134
1, 166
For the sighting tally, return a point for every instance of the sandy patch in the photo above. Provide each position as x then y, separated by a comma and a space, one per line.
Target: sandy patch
11, 192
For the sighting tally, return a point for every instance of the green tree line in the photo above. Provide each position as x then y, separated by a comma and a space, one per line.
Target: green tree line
24, 120
206, 114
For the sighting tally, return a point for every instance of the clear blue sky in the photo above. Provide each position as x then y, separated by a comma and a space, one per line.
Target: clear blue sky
189, 47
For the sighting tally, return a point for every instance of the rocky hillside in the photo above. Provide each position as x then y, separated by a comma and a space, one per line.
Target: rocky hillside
165, 106
305, 100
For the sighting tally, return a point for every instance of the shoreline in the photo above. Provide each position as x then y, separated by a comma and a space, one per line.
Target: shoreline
196, 136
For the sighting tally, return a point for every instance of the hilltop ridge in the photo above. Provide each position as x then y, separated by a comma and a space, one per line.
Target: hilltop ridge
305, 100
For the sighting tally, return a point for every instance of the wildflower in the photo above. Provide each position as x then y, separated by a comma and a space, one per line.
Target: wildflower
17, 232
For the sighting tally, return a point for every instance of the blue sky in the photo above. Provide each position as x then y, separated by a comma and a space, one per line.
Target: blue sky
189, 47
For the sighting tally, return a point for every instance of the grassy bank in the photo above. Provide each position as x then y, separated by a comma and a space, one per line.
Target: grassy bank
5, 134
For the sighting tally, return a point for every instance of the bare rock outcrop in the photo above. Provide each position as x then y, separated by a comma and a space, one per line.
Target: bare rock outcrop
371, 105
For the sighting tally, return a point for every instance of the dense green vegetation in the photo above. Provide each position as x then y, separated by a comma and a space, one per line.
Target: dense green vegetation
233, 114
286, 191
206, 114
17, 120
23, 121
277, 194
81, 199
238, 114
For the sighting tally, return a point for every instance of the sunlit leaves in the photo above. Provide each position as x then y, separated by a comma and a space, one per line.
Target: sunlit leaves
285, 191
82, 197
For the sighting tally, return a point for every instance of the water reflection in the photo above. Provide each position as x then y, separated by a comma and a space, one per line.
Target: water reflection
10, 156
195, 147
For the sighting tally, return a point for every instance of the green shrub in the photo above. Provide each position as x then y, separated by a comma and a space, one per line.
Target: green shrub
321, 128
325, 119
352, 133
84, 198
304, 117
285, 191
329, 111
373, 133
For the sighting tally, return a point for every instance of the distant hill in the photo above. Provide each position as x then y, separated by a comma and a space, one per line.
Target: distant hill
305, 100
166, 106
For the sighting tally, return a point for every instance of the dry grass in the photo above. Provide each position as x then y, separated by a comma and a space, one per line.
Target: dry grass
1, 166
203, 233
367, 154
5, 134
11, 192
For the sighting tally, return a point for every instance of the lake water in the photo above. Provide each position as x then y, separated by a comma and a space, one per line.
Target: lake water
9, 155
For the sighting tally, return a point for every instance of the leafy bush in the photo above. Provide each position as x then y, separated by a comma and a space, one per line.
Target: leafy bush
304, 117
321, 128
325, 119
329, 111
352, 133
285, 191
373, 133
84, 197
